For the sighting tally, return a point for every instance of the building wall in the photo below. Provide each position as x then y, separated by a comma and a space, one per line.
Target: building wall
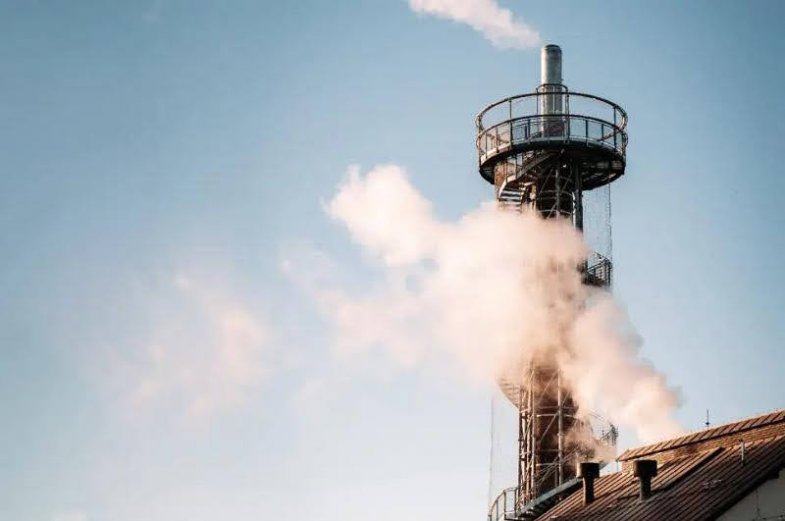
766, 502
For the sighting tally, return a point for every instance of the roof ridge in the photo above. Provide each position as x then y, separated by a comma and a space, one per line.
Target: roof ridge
748, 418
719, 431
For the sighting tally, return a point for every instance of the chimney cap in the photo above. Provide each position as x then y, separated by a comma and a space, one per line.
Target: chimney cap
588, 469
644, 468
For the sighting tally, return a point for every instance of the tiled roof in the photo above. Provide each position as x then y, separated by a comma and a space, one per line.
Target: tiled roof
693, 488
700, 476
735, 428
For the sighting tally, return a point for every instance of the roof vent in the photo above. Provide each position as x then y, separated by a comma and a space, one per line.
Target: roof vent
588, 472
645, 470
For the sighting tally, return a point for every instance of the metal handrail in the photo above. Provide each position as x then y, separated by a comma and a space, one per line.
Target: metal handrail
600, 267
566, 94
505, 503
503, 136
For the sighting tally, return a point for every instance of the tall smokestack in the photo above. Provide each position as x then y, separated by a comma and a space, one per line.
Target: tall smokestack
550, 65
543, 159
551, 81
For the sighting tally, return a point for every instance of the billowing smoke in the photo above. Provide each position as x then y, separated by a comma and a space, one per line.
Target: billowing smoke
486, 295
485, 16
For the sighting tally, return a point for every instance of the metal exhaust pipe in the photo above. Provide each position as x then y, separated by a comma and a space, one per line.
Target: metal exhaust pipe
645, 470
588, 472
550, 65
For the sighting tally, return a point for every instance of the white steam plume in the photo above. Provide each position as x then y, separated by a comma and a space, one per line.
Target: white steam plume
486, 294
485, 16
604, 371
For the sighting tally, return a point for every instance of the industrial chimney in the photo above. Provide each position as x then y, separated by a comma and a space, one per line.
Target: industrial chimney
542, 156
551, 80
550, 65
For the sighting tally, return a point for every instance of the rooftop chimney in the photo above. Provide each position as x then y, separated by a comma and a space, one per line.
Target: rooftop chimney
645, 470
588, 472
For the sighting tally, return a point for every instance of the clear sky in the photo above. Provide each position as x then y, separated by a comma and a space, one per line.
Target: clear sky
158, 159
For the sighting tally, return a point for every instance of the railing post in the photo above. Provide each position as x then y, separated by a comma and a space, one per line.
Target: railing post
615, 129
586, 121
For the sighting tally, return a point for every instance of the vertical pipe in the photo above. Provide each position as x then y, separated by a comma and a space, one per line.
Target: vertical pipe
578, 195
588, 491
644, 470
557, 187
645, 487
560, 434
588, 472
490, 456
530, 442
550, 64
551, 81
522, 452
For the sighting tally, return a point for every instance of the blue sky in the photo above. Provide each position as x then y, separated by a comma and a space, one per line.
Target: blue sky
159, 158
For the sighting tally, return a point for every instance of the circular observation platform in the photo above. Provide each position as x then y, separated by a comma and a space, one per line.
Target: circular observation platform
592, 130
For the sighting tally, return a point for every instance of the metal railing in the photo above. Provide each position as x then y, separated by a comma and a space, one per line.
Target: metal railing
598, 270
518, 121
549, 129
504, 504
